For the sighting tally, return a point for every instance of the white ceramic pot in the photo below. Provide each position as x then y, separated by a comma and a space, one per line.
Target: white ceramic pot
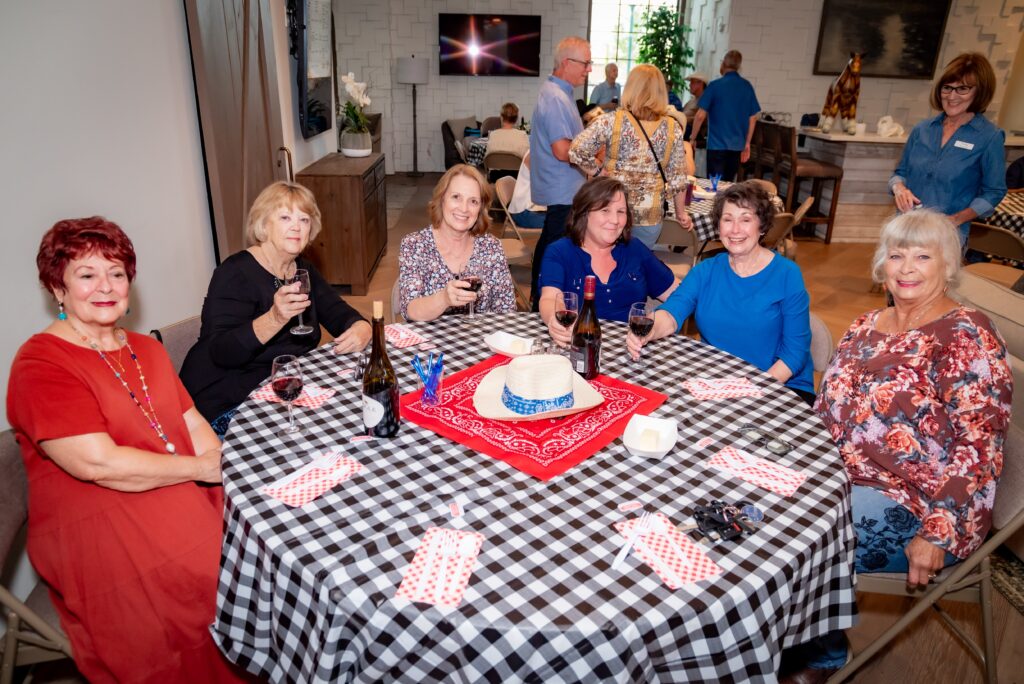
356, 144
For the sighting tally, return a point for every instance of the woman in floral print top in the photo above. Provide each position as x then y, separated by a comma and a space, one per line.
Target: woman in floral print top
918, 396
431, 261
918, 401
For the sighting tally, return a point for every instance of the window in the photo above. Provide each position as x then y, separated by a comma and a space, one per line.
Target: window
614, 27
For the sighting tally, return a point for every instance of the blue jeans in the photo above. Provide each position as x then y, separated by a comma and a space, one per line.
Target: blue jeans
647, 234
529, 219
884, 528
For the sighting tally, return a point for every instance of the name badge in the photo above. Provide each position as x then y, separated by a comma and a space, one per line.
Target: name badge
963, 145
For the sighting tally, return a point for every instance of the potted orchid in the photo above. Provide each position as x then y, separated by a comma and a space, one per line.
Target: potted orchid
355, 129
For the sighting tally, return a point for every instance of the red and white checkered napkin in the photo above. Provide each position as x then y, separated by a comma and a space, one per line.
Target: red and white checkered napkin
721, 388
401, 337
758, 471
324, 472
455, 552
312, 396
671, 554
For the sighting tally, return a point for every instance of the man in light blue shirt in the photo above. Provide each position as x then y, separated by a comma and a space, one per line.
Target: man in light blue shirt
730, 107
607, 93
556, 121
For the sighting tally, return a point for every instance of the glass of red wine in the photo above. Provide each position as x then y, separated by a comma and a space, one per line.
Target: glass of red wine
567, 309
641, 321
286, 379
302, 278
474, 283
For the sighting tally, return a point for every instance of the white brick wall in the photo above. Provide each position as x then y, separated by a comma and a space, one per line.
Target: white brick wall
778, 40
373, 34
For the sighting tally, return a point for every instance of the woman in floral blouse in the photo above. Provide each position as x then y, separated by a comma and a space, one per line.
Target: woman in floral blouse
918, 402
624, 135
433, 261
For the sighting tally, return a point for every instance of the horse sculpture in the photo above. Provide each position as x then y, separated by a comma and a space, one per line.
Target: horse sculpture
842, 98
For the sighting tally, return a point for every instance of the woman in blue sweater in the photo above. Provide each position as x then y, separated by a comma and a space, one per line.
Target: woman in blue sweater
748, 301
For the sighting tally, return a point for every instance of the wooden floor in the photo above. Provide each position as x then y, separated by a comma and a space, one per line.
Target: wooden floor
837, 277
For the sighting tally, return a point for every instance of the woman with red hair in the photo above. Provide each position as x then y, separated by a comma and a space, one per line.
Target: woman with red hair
125, 508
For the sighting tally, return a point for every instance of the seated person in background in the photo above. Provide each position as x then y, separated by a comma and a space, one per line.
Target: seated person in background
748, 301
698, 82
433, 261
252, 304
917, 399
126, 539
1015, 175
607, 93
525, 213
598, 243
508, 138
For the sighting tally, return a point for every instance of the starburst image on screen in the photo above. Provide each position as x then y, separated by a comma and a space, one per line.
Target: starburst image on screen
489, 44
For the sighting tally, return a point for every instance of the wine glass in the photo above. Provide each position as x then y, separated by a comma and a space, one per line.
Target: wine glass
287, 383
474, 283
567, 309
641, 321
302, 278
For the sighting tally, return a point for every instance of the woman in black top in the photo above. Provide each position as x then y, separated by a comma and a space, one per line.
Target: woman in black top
248, 312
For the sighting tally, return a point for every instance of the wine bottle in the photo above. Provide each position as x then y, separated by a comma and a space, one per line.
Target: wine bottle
380, 386
585, 350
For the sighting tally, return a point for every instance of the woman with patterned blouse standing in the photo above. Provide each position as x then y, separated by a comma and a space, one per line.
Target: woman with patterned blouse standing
918, 402
644, 148
434, 261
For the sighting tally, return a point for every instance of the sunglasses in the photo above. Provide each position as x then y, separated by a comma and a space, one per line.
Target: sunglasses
760, 437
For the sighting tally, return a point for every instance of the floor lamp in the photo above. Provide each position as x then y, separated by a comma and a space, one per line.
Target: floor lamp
415, 72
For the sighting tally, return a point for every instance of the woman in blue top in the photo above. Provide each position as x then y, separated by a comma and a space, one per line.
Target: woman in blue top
955, 162
748, 301
598, 243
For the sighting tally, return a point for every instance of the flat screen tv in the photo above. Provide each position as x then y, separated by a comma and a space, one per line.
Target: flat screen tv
489, 44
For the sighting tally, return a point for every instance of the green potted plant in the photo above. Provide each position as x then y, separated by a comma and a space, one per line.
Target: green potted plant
663, 44
355, 128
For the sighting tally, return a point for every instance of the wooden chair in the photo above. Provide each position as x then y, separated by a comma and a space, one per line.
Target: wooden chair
396, 304
178, 338
794, 169
33, 631
765, 185
822, 346
780, 236
967, 581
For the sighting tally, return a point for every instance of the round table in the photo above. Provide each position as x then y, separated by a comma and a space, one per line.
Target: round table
308, 594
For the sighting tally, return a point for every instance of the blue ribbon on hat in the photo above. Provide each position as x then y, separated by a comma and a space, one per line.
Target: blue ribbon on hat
528, 407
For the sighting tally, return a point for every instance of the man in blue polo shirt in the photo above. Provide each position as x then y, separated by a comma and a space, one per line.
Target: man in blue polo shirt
730, 107
556, 121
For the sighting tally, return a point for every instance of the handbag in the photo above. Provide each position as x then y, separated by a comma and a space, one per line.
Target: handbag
664, 195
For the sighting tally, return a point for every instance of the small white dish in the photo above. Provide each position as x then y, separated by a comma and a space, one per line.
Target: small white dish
701, 193
650, 437
508, 345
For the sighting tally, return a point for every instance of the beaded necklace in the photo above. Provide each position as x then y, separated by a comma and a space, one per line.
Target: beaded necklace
149, 415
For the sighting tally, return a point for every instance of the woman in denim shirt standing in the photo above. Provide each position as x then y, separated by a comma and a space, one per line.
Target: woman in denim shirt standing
955, 162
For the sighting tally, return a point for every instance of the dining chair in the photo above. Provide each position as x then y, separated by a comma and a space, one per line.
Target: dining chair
674, 235
33, 632
490, 123
396, 304
822, 345
765, 185
780, 236
970, 580
996, 242
504, 188
178, 338
502, 161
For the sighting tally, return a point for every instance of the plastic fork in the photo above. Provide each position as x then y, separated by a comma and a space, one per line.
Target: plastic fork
642, 527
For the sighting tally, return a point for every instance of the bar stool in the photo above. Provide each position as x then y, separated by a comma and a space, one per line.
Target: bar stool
795, 168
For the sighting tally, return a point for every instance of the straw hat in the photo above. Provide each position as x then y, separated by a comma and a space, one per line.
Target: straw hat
699, 76
534, 387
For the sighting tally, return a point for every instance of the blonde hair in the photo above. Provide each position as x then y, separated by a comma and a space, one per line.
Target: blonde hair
645, 95
924, 228
272, 198
434, 207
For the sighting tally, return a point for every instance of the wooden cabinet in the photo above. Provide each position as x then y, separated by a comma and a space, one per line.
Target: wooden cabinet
353, 205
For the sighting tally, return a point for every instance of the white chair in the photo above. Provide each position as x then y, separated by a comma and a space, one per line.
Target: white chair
33, 632
967, 581
178, 338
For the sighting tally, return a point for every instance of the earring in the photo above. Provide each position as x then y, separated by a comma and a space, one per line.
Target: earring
61, 316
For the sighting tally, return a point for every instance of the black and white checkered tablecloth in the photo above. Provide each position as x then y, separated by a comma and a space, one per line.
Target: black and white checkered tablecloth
476, 151
1009, 214
307, 594
700, 212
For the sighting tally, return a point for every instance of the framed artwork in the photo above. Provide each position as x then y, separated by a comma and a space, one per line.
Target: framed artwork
898, 39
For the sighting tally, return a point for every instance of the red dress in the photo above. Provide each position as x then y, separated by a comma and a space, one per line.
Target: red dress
132, 575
